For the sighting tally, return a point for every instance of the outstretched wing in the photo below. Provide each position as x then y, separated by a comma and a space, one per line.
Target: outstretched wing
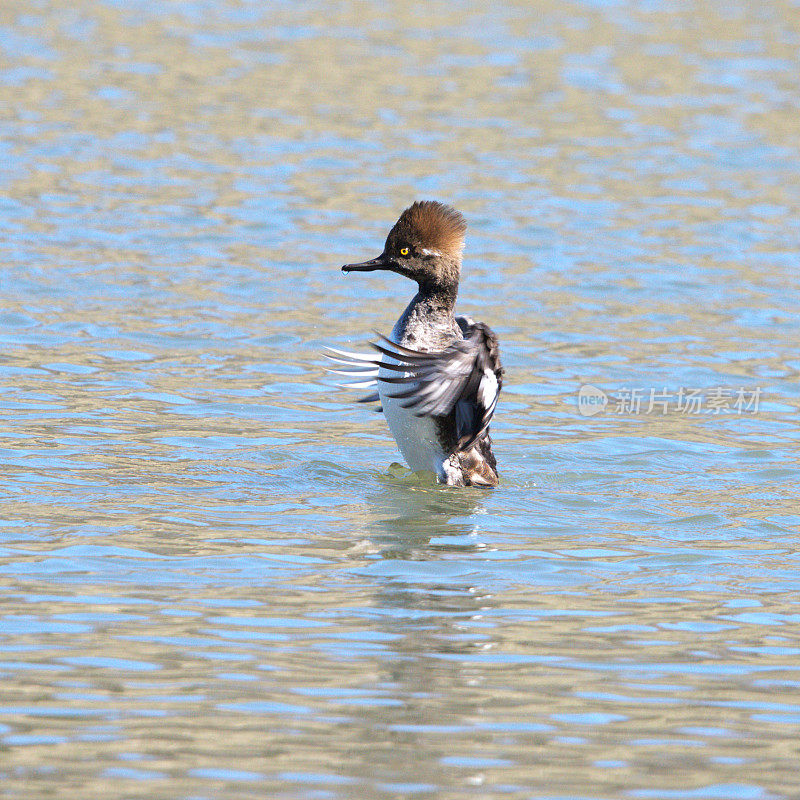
466, 377
357, 365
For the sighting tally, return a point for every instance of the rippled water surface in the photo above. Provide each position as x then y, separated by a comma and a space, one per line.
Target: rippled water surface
215, 583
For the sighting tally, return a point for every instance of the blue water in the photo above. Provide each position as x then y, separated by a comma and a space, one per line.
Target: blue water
218, 579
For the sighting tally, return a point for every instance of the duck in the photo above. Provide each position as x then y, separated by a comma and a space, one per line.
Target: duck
437, 376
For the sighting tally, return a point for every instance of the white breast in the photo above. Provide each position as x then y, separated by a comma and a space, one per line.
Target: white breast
416, 437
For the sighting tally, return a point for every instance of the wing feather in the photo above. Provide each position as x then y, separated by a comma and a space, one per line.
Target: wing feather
466, 376
464, 379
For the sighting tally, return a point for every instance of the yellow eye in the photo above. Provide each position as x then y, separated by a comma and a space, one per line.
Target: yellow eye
404, 251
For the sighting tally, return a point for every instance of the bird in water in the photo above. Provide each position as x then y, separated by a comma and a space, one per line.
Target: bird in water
437, 376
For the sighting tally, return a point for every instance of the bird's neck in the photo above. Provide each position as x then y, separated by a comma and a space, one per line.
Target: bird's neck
429, 321
437, 300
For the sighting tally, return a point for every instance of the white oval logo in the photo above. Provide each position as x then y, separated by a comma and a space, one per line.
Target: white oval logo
591, 400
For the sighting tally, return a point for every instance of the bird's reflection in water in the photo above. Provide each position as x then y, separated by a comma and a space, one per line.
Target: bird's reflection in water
433, 531
408, 511
429, 608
